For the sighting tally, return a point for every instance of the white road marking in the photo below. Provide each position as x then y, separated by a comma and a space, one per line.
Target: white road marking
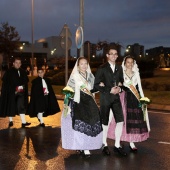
166, 143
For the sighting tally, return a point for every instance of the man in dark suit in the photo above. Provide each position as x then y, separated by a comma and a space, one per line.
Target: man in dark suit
14, 93
111, 75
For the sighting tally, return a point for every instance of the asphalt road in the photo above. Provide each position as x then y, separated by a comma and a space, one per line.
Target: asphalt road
37, 148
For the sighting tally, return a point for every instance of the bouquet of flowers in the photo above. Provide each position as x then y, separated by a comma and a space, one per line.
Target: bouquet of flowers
69, 92
143, 102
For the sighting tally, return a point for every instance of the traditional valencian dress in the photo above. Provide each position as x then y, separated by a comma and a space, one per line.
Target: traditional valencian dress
136, 128
81, 128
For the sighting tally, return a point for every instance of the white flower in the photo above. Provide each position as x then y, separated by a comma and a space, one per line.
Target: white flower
68, 88
145, 99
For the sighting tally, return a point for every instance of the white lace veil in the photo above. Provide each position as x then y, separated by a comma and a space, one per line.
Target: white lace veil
76, 70
135, 66
77, 80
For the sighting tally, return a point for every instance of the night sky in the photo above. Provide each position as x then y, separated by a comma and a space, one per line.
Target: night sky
146, 22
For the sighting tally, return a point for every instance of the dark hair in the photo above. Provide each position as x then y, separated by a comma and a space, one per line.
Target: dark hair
111, 47
16, 58
40, 68
127, 57
80, 58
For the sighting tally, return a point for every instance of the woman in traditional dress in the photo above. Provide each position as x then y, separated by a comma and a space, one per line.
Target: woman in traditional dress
136, 126
81, 127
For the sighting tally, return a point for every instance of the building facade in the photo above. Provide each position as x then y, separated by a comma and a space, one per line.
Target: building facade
161, 56
41, 53
136, 50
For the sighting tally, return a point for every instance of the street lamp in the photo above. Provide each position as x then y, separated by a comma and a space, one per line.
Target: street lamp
32, 32
82, 23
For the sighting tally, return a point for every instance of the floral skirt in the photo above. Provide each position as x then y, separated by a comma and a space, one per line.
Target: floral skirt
75, 140
135, 123
86, 116
137, 134
81, 129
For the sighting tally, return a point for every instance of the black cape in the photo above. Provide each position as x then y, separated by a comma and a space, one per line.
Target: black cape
37, 101
10, 81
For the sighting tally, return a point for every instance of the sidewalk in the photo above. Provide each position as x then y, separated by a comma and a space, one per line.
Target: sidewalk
150, 106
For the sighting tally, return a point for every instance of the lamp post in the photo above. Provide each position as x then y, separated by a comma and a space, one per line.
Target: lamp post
32, 37
66, 44
82, 23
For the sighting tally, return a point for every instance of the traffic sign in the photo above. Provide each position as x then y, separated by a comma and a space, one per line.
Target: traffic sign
79, 37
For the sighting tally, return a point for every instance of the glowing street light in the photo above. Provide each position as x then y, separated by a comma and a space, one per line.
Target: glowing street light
21, 48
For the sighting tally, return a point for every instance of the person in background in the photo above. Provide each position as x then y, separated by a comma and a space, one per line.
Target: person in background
43, 101
14, 93
28, 71
81, 127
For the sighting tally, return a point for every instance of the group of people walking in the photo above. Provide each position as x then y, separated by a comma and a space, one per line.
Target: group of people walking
14, 96
85, 127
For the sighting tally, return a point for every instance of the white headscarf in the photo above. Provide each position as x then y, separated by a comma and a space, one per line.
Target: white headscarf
135, 66
78, 81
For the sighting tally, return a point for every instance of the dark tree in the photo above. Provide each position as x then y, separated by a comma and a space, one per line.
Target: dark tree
9, 40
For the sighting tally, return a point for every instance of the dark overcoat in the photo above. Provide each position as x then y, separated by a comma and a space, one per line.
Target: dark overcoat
109, 78
38, 102
108, 100
10, 81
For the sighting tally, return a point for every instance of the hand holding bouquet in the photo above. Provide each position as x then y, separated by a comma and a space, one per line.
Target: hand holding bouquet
69, 92
143, 102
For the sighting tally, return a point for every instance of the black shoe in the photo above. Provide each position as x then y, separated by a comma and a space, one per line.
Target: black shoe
81, 152
87, 155
42, 124
25, 124
120, 151
134, 150
11, 124
106, 150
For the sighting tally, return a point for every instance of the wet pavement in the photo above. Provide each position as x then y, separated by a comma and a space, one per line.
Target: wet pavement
38, 148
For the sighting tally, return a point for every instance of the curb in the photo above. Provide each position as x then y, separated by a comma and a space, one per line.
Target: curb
150, 106
159, 107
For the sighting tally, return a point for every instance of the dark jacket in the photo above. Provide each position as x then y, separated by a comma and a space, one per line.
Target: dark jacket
10, 81
40, 103
105, 74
